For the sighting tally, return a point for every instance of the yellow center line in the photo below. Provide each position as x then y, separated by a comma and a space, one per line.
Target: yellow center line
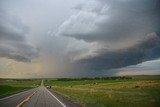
25, 100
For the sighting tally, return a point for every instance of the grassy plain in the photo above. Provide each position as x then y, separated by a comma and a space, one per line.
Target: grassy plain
11, 86
140, 91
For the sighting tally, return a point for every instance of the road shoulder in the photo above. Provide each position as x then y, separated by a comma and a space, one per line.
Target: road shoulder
65, 99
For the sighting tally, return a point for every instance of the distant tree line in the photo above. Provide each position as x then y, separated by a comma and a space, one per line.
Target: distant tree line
95, 78
2, 79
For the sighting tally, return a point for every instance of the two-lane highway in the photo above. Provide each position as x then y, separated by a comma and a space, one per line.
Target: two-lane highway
43, 98
38, 97
14, 100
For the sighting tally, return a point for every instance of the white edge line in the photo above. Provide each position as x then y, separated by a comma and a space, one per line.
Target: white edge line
15, 94
56, 98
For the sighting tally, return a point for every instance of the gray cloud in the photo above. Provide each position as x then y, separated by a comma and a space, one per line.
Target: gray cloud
130, 26
147, 49
13, 43
112, 20
97, 37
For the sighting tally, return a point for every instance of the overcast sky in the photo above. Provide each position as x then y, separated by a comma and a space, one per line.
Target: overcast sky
79, 38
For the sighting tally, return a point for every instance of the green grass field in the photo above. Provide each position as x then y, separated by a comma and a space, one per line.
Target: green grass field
8, 87
140, 91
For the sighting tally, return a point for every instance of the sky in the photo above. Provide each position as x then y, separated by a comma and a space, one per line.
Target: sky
75, 38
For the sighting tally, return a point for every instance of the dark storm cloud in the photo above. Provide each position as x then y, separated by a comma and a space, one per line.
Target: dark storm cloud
145, 50
116, 22
13, 43
109, 20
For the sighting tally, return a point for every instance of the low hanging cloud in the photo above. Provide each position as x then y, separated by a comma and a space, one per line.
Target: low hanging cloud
127, 30
147, 49
13, 43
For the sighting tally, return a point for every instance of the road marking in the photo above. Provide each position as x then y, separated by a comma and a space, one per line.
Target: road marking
56, 98
15, 94
25, 100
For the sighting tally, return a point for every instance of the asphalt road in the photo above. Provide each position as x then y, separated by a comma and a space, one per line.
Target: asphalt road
38, 97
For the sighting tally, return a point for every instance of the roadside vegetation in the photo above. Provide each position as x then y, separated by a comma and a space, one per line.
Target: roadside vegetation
11, 86
135, 91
